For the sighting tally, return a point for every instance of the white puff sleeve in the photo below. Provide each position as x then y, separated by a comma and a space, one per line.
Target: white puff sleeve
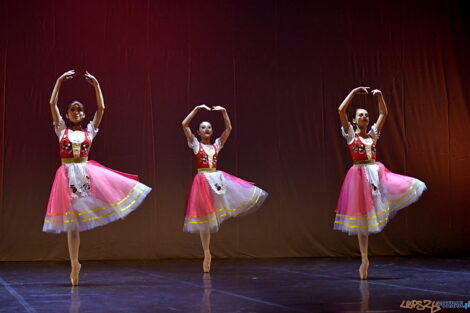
92, 130
194, 145
218, 144
349, 136
374, 132
60, 127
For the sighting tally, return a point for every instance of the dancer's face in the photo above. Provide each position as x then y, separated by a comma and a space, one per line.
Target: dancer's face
362, 118
75, 113
205, 130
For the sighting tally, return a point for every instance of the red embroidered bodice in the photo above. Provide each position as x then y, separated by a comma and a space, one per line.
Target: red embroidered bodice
203, 160
69, 149
360, 151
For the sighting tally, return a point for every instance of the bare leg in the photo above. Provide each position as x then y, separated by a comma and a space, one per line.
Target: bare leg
363, 245
206, 240
73, 239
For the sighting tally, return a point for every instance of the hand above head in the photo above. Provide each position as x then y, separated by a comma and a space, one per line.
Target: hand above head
91, 79
383, 111
55, 95
67, 75
361, 90
376, 92
218, 108
203, 106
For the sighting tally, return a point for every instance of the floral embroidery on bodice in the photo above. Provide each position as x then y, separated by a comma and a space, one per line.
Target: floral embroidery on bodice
75, 148
361, 151
206, 156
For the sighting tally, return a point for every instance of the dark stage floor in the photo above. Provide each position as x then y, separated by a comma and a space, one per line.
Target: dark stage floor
267, 285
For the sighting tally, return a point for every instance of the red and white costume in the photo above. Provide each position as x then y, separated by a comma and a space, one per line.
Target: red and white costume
85, 194
215, 195
371, 194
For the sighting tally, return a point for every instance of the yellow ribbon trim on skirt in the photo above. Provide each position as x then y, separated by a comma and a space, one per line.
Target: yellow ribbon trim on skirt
383, 212
100, 209
215, 217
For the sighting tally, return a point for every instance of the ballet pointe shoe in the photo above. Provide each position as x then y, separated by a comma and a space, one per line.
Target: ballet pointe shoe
74, 274
206, 264
363, 269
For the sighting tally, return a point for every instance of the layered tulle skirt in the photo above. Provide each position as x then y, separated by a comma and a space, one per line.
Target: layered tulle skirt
371, 195
217, 196
87, 195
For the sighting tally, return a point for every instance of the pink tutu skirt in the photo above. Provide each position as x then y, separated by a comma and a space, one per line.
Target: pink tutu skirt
217, 196
371, 195
87, 195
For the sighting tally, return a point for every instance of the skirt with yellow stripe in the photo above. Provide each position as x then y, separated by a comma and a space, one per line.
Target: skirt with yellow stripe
215, 196
86, 195
371, 195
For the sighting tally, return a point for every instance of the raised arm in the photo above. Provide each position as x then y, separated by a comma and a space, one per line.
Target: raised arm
383, 112
228, 125
342, 110
99, 99
188, 119
55, 95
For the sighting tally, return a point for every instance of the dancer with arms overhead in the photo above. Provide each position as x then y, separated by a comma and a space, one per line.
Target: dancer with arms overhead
214, 195
85, 194
370, 194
